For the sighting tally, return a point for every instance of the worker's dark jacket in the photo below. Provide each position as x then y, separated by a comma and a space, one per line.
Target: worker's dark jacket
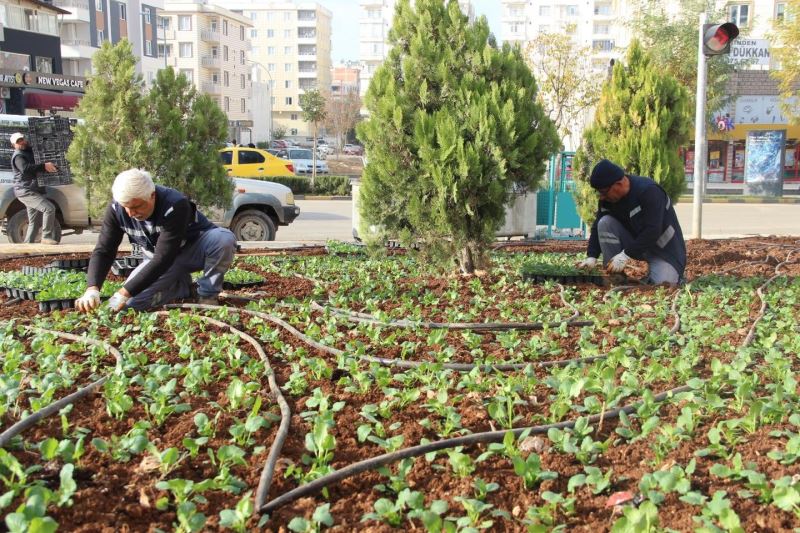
647, 213
25, 172
174, 224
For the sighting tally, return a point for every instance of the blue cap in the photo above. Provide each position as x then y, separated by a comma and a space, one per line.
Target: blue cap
605, 174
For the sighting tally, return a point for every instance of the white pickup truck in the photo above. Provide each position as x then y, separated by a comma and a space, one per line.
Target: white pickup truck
258, 207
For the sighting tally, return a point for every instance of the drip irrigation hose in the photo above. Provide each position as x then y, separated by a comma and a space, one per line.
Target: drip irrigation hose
482, 438
56, 406
399, 363
12, 301
268, 471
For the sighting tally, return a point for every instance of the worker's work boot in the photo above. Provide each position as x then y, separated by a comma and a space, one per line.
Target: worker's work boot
208, 300
51, 242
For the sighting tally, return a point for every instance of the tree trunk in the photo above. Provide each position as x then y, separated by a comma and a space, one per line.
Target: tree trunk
466, 260
314, 160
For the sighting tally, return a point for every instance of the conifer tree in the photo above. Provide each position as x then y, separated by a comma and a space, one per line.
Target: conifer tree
186, 130
453, 128
113, 136
642, 120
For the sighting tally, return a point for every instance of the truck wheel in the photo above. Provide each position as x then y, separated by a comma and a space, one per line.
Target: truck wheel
253, 225
18, 227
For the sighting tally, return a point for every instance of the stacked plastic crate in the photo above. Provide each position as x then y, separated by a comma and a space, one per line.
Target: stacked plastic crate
50, 138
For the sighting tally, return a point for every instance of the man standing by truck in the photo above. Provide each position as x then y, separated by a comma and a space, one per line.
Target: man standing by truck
41, 211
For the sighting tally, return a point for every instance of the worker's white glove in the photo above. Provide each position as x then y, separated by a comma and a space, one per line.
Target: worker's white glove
587, 263
90, 300
617, 263
117, 302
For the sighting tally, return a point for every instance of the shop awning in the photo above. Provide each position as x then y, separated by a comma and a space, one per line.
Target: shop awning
47, 101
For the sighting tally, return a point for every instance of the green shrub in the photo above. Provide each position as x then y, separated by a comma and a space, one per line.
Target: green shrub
263, 145
326, 185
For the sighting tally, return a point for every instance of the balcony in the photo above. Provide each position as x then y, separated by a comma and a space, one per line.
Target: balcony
165, 35
307, 73
76, 48
79, 9
307, 16
306, 36
214, 62
209, 87
209, 36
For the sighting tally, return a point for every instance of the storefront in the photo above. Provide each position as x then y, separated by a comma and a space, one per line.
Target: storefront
24, 91
727, 143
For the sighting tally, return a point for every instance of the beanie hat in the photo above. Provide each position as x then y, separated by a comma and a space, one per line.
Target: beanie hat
605, 174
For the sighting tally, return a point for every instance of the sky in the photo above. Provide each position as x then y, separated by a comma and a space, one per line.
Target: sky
345, 25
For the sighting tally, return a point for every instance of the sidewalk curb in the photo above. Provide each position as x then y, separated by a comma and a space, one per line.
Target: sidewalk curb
320, 197
742, 200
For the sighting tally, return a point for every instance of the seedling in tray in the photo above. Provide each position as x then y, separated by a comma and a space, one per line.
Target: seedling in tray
546, 271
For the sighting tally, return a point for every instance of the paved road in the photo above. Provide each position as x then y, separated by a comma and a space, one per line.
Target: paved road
320, 220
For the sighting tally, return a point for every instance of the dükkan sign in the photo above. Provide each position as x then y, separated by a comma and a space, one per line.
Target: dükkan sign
750, 51
41, 80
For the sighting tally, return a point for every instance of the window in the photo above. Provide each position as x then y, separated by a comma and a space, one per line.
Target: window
287, 50
241, 33
252, 14
270, 33
185, 50
601, 28
287, 34
513, 27
214, 52
572, 11
603, 45
123, 12
287, 84
253, 33
164, 22
271, 67
227, 104
100, 36
226, 157
148, 48
287, 67
288, 100
30, 20
185, 22
603, 9
272, 84
517, 12
780, 11
241, 81
241, 57
270, 16
294, 116
244, 106
270, 50
293, 131
227, 77
272, 100
44, 64
99, 5
739, 14
250, 157
164, 50
225, 52
146, 13
224, 27
287, 16
215, 79
213, 27
373, 13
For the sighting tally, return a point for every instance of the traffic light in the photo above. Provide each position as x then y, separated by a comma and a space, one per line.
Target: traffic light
717, 38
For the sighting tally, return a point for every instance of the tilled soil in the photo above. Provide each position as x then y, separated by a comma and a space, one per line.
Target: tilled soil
120, 496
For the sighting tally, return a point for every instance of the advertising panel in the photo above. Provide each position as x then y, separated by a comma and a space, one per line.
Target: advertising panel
763, 167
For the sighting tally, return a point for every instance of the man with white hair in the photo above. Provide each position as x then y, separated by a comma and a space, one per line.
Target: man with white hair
41, 211
177, 240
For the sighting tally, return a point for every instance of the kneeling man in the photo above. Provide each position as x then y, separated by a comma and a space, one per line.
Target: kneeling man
635, 219
176, 238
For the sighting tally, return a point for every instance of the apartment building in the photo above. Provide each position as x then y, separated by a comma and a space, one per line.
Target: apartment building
375, 21
210, 46
345, 79
292, 45
89, 23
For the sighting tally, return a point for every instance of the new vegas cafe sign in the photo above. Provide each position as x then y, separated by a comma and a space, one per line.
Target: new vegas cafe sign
41, 80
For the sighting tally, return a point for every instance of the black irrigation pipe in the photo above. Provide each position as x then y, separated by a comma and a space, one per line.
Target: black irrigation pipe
268, 471
485, 437
55, 407
12, 301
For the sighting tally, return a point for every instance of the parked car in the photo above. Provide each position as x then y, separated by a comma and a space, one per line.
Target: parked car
353, 149
254, 163
302, 160
280, 144
279, 152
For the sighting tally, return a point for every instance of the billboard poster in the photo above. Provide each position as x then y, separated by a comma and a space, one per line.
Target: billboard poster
763, 167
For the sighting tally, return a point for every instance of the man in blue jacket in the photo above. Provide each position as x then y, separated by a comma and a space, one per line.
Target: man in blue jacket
635, 219
176, 238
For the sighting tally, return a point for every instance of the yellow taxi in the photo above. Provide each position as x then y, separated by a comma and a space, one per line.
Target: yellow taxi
243, 162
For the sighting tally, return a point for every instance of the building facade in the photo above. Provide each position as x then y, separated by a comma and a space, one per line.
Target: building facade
210, 46
292, 45
375, 21
92, 22
345, 79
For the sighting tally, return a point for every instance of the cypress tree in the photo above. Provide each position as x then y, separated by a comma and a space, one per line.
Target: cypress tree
186, 130
642, 120
453, 129
113, 136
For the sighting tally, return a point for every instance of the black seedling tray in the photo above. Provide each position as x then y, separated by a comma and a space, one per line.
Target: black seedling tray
132, 261
24, 294
36, 271
55, 305
566, 279
74, 264
230, 285
121, 268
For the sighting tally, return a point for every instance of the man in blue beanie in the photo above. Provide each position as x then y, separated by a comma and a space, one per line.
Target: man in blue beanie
635, 219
